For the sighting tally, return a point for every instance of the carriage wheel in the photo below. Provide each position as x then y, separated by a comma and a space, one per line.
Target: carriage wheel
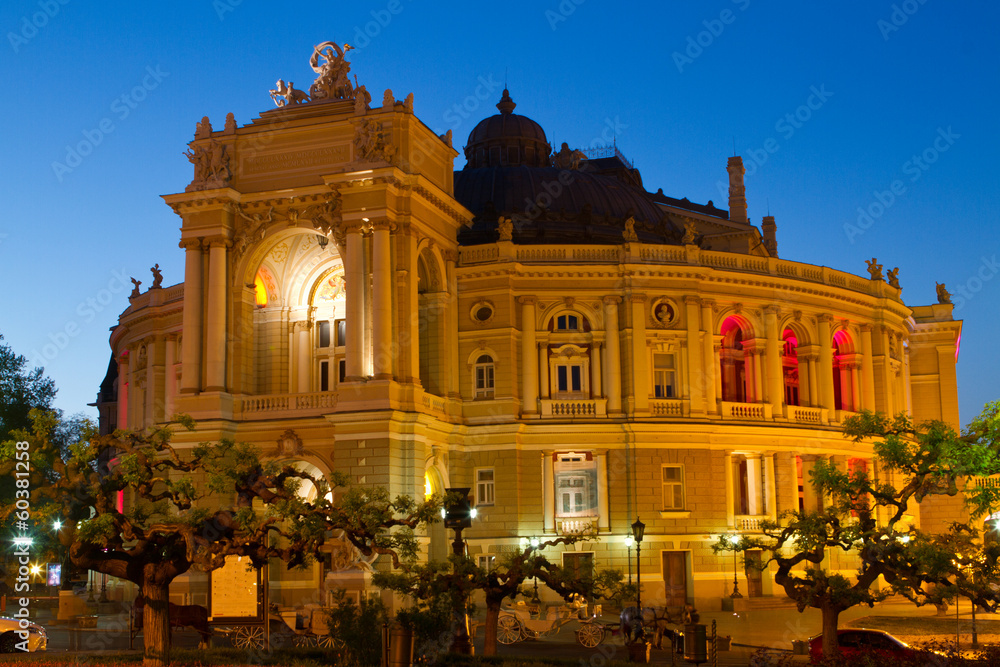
249, 636
508, 630
305, 641
328, 642
590, 635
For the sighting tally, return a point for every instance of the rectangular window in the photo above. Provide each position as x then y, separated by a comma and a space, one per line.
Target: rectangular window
567, 323
485, 488
569, 378
342, 370
323, 329
487, 562
324, 376
484, 377
576, 486
673, 487
664, 376
341, 326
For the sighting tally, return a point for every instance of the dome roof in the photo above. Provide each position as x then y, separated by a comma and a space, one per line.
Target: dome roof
548, 204
507, 139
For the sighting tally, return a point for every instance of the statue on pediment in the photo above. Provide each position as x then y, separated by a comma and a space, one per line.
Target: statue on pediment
892, 277
629, 234
211, 166
287, 95
157, 277
690, 233
943, 295
135, 288
568, 158
505, 226
332, 82
874, 269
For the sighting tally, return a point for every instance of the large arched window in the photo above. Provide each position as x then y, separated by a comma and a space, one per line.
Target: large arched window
790, 366
484, 377
845, 370
732, 358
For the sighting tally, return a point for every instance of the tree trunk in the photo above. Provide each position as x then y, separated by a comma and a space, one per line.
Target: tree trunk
156, 625
831, 647
492, 617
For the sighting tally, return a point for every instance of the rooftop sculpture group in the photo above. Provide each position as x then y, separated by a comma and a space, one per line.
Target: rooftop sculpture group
332, 80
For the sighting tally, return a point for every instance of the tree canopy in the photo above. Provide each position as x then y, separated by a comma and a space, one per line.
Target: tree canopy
21, 390
866, 515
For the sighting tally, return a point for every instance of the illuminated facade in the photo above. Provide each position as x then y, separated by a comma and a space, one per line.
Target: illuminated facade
535, 326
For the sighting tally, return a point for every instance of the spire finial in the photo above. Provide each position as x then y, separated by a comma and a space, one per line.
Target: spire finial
506, 105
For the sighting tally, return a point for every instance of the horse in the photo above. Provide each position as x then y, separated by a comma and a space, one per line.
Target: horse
181, 615
657, 618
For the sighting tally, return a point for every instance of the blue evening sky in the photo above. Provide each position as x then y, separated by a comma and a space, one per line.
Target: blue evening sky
675, 84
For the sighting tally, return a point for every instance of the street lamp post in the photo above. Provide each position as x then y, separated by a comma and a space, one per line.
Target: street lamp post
734, 540
638, 528
458, 515
629, 541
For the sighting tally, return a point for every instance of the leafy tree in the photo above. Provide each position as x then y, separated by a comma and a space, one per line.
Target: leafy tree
865, 516
21, 390
167, 526
461, 577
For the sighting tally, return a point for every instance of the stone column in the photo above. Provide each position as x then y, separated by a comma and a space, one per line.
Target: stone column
710, 364
805, 397
543, 369
716, 344
754, 354
696, 371
856, 402
595, 370
613, 355
191, 341
123, 388
548, 494
529, 356
149, 410
640, 357
382, 347
727, 468
218, 307
867, 369
408, 309
451, 329
775, 373
303, 357
825, 363
812, 500
811, 361
770, 490
602, 492
754, 491
354, 277
788, 483
169, 376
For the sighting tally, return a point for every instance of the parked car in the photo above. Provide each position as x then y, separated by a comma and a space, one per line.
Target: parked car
858, 643
10, 639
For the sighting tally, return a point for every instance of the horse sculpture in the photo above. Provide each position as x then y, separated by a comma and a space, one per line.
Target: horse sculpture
181, 615
657, 618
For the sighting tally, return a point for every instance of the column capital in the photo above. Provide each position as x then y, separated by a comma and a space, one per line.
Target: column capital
866, 328
772, 310
691, 300
190, 244
354, 227
218, 242
825, 317
611, 299
382, 224
527, 300
637, 298
708, 303
449, 255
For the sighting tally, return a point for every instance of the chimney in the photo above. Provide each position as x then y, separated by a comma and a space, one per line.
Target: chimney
770, 240
737, 193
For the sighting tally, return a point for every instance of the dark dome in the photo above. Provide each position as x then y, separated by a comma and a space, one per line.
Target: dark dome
549, 204
507, 139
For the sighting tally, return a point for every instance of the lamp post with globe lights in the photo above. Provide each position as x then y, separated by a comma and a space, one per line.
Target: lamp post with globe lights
734, 540
458, 514
638, 529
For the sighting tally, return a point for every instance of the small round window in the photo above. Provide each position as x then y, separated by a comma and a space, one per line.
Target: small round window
482, 312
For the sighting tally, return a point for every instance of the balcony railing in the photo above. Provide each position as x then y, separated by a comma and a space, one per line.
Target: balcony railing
749, 523
805, 415
576, 525
269, 406
666, 407
574, 408
746, 411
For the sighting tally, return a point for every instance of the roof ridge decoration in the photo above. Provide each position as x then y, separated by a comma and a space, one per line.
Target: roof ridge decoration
332, 81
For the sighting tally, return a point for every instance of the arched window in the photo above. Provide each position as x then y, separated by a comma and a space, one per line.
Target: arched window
733, 360
483, 377
790, 366
845, 368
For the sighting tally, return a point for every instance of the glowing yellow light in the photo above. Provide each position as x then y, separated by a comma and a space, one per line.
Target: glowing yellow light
428, 488
35, 569
260, 291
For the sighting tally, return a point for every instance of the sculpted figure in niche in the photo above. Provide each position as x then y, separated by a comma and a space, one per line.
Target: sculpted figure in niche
892, 277
664, 313
943, 295
874, 269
